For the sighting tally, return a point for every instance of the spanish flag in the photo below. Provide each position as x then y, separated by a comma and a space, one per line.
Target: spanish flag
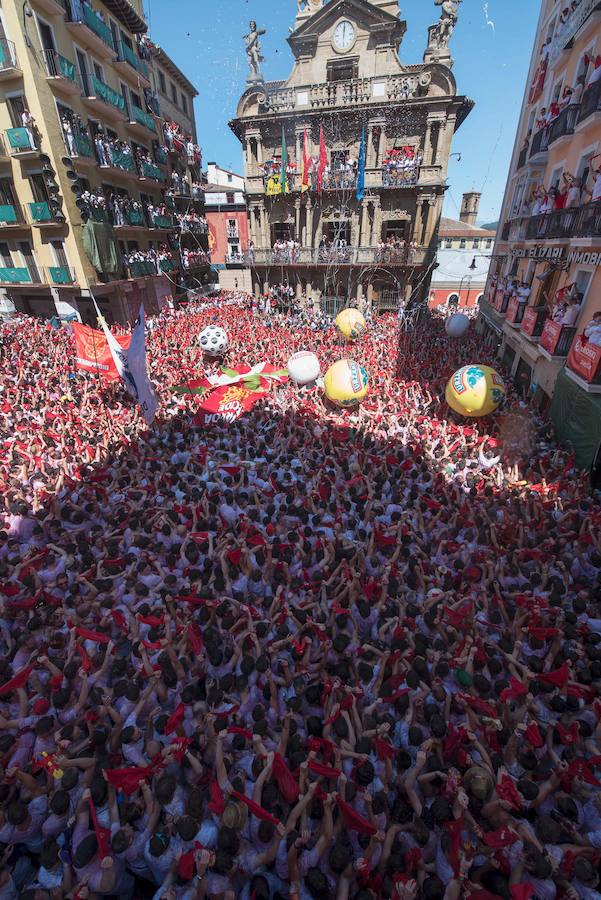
305, 176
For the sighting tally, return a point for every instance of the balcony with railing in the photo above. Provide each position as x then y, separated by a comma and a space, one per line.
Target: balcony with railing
95, 90
232, 231
129, 63
118, 159
341, 255
79, 146
9, 65
555, 339
60, 72
515, 312
141, 121
12, 216
343, 94
567, 31
540, 145
500, 301
564, 124
163, 222
591, 103
533, 322
61, 275
17, 275
195, 259
523, 157
91, 31
152, 172
584, 364
45, 213
21, 142
160, 155
578, 221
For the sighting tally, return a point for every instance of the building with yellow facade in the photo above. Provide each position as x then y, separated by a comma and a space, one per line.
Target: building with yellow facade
543, 299
100, 172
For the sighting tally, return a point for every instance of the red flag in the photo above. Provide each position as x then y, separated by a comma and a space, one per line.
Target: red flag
93, 354
18, 681
352, 819
323, 159
102, 834
286, 782
255, 809
217, 802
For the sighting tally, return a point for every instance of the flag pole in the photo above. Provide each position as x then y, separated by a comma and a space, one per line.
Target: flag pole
102, 400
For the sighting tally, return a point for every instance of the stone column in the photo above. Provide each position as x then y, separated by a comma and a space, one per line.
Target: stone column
430, 221
418, 222
369, 156
297, 209
381, 142
310, 236
251, 225
376, 232
355, 214
359, 295
363, 231
265, 236
259, 150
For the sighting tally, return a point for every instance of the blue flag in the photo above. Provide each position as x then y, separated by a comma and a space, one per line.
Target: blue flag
361, 169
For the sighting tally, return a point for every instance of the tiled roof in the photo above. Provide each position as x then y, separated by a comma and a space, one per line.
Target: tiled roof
456, 228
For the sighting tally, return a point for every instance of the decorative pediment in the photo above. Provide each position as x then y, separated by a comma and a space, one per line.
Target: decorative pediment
365, 15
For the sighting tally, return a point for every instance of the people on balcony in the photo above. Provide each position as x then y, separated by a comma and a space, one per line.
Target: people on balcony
286, 251
595, 174
592, 331
193, 258
108, 148
567, 306
177, 139
121, 207
191, 221
156, 257
595, 72
401, 165
395, 248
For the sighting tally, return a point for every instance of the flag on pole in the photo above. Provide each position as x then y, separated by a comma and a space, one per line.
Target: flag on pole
361, 169
305, 175
323, 159
131, 365
284, 173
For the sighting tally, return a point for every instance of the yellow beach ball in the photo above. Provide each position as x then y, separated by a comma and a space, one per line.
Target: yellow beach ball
345, 383
350, 323
475, 391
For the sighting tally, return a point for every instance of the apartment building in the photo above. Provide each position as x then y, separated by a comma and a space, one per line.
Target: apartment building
225, 205
544, 289
100, 190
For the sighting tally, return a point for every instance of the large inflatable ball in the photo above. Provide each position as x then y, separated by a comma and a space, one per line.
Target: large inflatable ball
303, 367
345, 383
213, 340
456, 325
475, 391
350, 323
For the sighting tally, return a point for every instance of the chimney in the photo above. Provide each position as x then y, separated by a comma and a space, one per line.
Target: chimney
470, 204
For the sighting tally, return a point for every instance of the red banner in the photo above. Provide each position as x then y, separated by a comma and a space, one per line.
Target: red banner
512, 309
92, 352
550, 336
498, 299
226, 404
529, 320
585, 359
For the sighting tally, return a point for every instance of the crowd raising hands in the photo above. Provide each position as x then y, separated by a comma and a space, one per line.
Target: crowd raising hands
305, 654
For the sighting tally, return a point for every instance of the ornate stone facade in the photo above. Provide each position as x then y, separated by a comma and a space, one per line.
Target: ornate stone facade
348, 81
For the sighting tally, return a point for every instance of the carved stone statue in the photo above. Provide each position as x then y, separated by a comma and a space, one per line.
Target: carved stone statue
310, 6
440, 34
253, 52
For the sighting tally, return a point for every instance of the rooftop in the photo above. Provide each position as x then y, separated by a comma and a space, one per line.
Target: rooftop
456, 228
169, 66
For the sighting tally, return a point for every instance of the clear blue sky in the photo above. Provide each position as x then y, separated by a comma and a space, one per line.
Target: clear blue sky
205, 39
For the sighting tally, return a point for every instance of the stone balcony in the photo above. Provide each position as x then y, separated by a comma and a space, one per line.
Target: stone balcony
342, 94
343, 255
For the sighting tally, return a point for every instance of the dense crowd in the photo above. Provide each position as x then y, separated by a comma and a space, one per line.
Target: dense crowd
305, 654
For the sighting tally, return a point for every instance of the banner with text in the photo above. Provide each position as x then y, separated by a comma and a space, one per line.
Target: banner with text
93, 354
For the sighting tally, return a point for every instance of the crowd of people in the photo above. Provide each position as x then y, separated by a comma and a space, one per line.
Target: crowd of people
308, 653
401, 166
194, 259
192, 221
286, 250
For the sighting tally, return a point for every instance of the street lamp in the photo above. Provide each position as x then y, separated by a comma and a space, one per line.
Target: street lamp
468, 280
